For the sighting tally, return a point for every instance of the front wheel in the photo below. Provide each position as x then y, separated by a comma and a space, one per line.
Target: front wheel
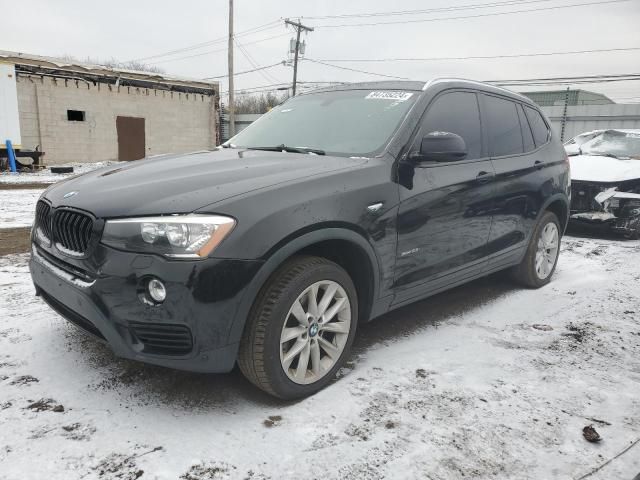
541, 257
300, 329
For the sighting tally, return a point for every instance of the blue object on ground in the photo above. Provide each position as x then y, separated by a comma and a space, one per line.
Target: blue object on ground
12, 156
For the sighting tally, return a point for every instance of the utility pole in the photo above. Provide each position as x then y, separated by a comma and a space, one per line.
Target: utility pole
232, 108
299, 28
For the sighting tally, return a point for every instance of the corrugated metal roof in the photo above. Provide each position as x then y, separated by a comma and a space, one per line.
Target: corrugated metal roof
45, 65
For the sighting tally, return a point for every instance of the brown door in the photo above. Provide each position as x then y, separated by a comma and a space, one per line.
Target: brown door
130, 138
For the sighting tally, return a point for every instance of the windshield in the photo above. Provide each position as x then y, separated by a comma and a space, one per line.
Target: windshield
347, 123
614, 143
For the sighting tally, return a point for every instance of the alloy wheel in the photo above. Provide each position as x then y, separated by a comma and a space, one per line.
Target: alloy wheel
547, 252
315, 332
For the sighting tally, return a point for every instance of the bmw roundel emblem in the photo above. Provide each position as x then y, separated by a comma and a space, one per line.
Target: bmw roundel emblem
70, 194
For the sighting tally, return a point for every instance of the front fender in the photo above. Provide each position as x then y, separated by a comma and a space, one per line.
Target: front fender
278, 256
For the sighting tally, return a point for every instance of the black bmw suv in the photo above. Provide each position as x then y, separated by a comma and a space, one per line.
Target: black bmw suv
335, 207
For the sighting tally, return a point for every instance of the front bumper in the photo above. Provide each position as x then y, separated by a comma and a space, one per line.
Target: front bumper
102, 295
607, 206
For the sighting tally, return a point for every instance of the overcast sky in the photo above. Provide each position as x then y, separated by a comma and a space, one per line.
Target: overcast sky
141, 28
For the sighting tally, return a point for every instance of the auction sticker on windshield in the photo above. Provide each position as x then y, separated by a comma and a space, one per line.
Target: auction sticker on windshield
387, 95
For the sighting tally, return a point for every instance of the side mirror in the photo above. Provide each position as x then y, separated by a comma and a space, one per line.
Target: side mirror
441, 147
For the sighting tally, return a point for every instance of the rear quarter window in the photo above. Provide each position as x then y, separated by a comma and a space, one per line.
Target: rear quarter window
529, 144
539, 127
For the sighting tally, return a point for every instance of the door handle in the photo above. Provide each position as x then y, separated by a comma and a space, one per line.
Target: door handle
484, 177
538, 164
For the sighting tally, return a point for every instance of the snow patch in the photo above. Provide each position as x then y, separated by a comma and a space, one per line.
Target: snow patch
45, 176
462, 385
18, 207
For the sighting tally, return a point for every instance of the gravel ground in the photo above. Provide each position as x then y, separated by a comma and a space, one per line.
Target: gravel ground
485, 381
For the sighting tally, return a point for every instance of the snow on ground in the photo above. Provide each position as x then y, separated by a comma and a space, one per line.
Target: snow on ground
485, 381
45, 176
17, 207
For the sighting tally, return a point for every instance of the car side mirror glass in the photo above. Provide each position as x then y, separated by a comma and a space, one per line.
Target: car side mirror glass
440, 147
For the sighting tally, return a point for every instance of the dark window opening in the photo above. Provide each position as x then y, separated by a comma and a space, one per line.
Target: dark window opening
75, 115
458, 113
526, 131
505, 136
538, 126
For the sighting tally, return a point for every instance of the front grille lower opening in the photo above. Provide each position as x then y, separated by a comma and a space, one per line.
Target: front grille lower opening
66, 267
162, 339
73, 317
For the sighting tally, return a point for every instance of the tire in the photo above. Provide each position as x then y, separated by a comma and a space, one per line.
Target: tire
527, 273
267, 348
61, 169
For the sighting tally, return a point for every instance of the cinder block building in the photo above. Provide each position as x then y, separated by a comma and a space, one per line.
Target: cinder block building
77, 112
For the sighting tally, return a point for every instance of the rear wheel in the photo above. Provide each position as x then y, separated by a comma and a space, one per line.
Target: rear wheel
541, 258
300, 328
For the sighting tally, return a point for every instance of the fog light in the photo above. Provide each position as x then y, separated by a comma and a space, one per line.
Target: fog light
156, 290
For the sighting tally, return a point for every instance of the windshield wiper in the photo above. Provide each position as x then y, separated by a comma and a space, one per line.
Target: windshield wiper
285, 148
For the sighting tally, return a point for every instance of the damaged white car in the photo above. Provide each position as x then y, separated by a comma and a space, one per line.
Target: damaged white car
605, 179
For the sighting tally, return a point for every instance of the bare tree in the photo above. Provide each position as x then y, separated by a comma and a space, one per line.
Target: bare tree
114, 63
259, 103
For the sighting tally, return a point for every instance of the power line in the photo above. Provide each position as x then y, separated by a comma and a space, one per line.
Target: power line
557, 80
260, 40
273, 87
356, 70
472, 6
479, 57
251, 31
539, 81
398, 22
246, 71
566, 80
253, 92
267, 76
597, 76
515, 83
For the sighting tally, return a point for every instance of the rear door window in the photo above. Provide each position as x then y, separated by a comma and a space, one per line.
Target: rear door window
538, 126
456, 112
526, 131
505, 135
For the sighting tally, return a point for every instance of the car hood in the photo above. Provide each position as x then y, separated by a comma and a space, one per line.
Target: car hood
593, 168
185, 183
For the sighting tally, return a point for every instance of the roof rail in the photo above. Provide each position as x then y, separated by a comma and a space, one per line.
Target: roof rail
484, 84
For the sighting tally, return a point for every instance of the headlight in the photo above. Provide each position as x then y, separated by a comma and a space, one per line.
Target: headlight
174, 236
